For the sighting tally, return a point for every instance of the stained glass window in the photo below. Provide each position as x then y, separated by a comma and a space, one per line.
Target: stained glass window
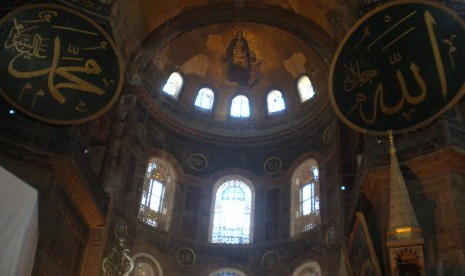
275, 101
309, 202
173, 85
305, 88
240, 107
232, 213
205, 99
227, 272
305, 197
157, 195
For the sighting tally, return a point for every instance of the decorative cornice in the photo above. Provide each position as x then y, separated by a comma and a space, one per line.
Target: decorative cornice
79, 192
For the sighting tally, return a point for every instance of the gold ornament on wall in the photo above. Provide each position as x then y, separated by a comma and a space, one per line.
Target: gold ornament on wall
118, 262
186, 256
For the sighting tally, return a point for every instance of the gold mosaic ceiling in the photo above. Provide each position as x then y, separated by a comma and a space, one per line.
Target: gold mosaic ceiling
286, 39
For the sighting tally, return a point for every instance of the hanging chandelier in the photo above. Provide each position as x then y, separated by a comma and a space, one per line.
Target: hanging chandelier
118, 262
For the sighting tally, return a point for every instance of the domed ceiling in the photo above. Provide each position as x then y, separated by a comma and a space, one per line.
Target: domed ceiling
281, 47
275, 60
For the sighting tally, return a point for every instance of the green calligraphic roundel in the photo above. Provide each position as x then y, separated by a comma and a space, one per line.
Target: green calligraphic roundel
400, 67
57, 65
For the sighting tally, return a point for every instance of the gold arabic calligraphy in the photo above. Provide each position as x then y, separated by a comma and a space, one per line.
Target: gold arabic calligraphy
28, 43
90, 67
359, 73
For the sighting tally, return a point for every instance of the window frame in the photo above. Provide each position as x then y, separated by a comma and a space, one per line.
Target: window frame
216, 187
177, 93
299, 92
160, 197
231, 107
145, 214
267, 103
299, 218
213, 104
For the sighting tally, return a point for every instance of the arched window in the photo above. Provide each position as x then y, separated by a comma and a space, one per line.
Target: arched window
240, 107
305, 198
205, 99
227, 272
173, 86
232, 209
275, 101
305, 88
157, 195
310, 268
145, 265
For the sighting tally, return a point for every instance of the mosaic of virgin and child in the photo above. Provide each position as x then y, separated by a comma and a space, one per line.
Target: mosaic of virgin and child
240, 64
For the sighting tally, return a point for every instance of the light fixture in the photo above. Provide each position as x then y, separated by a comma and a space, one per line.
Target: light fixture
118, 262
404, 232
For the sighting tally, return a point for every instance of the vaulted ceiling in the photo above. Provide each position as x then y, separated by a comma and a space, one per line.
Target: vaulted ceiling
286, 39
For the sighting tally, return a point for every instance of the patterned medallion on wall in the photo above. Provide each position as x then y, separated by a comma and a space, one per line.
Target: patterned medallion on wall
270, 260
198, 162
272, 164
330, 237
186, 256
145, 264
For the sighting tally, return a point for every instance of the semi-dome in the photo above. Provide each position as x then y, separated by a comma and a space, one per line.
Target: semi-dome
255, 78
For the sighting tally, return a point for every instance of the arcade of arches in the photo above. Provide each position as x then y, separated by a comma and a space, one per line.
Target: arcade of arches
224, 156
